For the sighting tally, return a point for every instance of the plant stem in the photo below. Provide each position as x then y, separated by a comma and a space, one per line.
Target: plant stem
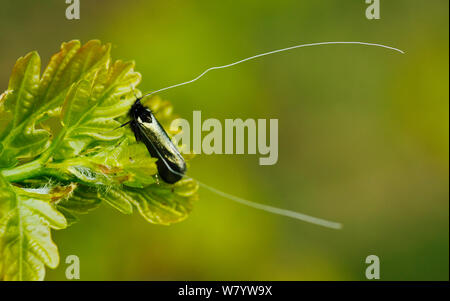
55, 144
23, 172
36, 167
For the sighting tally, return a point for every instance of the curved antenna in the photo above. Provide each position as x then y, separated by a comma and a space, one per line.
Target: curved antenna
269, 53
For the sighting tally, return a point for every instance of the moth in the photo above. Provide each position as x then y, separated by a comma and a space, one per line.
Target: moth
147, 129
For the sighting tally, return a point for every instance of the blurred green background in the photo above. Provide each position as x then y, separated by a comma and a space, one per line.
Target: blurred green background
363, 135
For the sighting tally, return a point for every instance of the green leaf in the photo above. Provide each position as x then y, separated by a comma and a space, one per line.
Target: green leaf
24, 85
32, 99
73, 63
89, 110
83, 200
25, 245
165, 204
62, 154
118, 199
78, 102
5, 117
129, 163
23, 89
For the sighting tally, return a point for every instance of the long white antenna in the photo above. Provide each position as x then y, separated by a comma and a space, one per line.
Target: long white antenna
274, 210
269, 53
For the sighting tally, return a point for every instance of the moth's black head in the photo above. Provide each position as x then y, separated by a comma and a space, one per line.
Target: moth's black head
139, 110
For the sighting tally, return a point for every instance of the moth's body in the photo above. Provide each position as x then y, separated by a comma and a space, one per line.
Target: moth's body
147, 129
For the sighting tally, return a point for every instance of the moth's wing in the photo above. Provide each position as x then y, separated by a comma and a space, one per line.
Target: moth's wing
160, 146
143, 133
